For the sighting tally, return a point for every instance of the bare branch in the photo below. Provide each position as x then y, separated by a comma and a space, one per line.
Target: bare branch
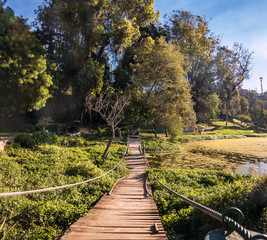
108, 106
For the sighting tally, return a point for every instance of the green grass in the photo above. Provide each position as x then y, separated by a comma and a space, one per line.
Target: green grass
46, 215
232, 129
215, 189
159, 146
11, 134
220, 132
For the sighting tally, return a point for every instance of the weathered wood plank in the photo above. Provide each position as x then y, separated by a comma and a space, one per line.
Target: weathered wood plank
128, 213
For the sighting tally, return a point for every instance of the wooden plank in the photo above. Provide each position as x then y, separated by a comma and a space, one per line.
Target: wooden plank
128, 213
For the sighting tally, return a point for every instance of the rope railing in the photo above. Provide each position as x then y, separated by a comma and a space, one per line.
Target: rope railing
227, 222
2, 195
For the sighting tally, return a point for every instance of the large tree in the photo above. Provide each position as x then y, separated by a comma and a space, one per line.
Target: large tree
80, 36
160, 91
24, 78
197, 44
233, 67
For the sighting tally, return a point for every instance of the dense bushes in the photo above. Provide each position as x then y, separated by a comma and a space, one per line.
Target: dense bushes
157, 146
28, 140
46, 215
187, 139
214, 189
244, 118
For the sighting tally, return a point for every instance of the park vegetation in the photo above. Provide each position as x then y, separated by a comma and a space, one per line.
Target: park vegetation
43, 160
215, 189
110, 65
174, 74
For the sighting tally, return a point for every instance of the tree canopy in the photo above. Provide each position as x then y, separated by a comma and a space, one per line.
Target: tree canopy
82, 35
233, 67
159, 87
176, 72
198, 45
24, 76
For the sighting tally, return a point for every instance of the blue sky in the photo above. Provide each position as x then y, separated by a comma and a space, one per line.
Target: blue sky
243, 21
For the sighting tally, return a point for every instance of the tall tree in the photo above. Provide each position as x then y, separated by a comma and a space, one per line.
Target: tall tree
24, 76
124, 71
259, 114
192, 34
81, 34
159, 87
233, 67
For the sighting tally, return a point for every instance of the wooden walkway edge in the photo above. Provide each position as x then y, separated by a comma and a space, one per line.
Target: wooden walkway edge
128, 213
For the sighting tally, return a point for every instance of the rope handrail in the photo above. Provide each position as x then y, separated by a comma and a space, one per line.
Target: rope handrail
221, 217
203, 208
2, 195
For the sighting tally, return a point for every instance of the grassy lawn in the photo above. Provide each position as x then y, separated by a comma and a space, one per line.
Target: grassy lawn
235, 128
8, 134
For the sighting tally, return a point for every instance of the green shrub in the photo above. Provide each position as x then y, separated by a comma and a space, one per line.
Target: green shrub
86, 170
187, 139
43, 123
101, 131
215, 189
43, 137
46, 215
158, 146
244, 118
76, 141
264, 220
25, 140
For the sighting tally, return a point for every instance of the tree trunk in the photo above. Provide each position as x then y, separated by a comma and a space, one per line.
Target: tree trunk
227, 111
120, 136
105, 154
139, 123
155, 132
166, 132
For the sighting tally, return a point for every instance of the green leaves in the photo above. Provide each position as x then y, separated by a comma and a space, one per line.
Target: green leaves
159, 85
83, 36
215, 189
24, 80
46, 215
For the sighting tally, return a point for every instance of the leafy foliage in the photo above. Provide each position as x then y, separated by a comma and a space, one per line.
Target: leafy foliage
214, 189
46, 215
191, 33
81, 36
156, 146
27, 140
159, 88
24, 76
233, 67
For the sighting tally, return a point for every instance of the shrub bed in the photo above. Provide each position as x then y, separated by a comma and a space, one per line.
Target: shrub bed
215, 189
46, 215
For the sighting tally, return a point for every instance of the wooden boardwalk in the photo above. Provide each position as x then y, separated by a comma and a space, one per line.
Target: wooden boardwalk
128, 213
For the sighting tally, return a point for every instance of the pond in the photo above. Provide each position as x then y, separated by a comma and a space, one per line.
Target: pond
242, 156
258, 167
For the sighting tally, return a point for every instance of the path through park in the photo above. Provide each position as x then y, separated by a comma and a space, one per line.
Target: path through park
127, 213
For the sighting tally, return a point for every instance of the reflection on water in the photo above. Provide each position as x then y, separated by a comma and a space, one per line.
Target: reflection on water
257, 167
